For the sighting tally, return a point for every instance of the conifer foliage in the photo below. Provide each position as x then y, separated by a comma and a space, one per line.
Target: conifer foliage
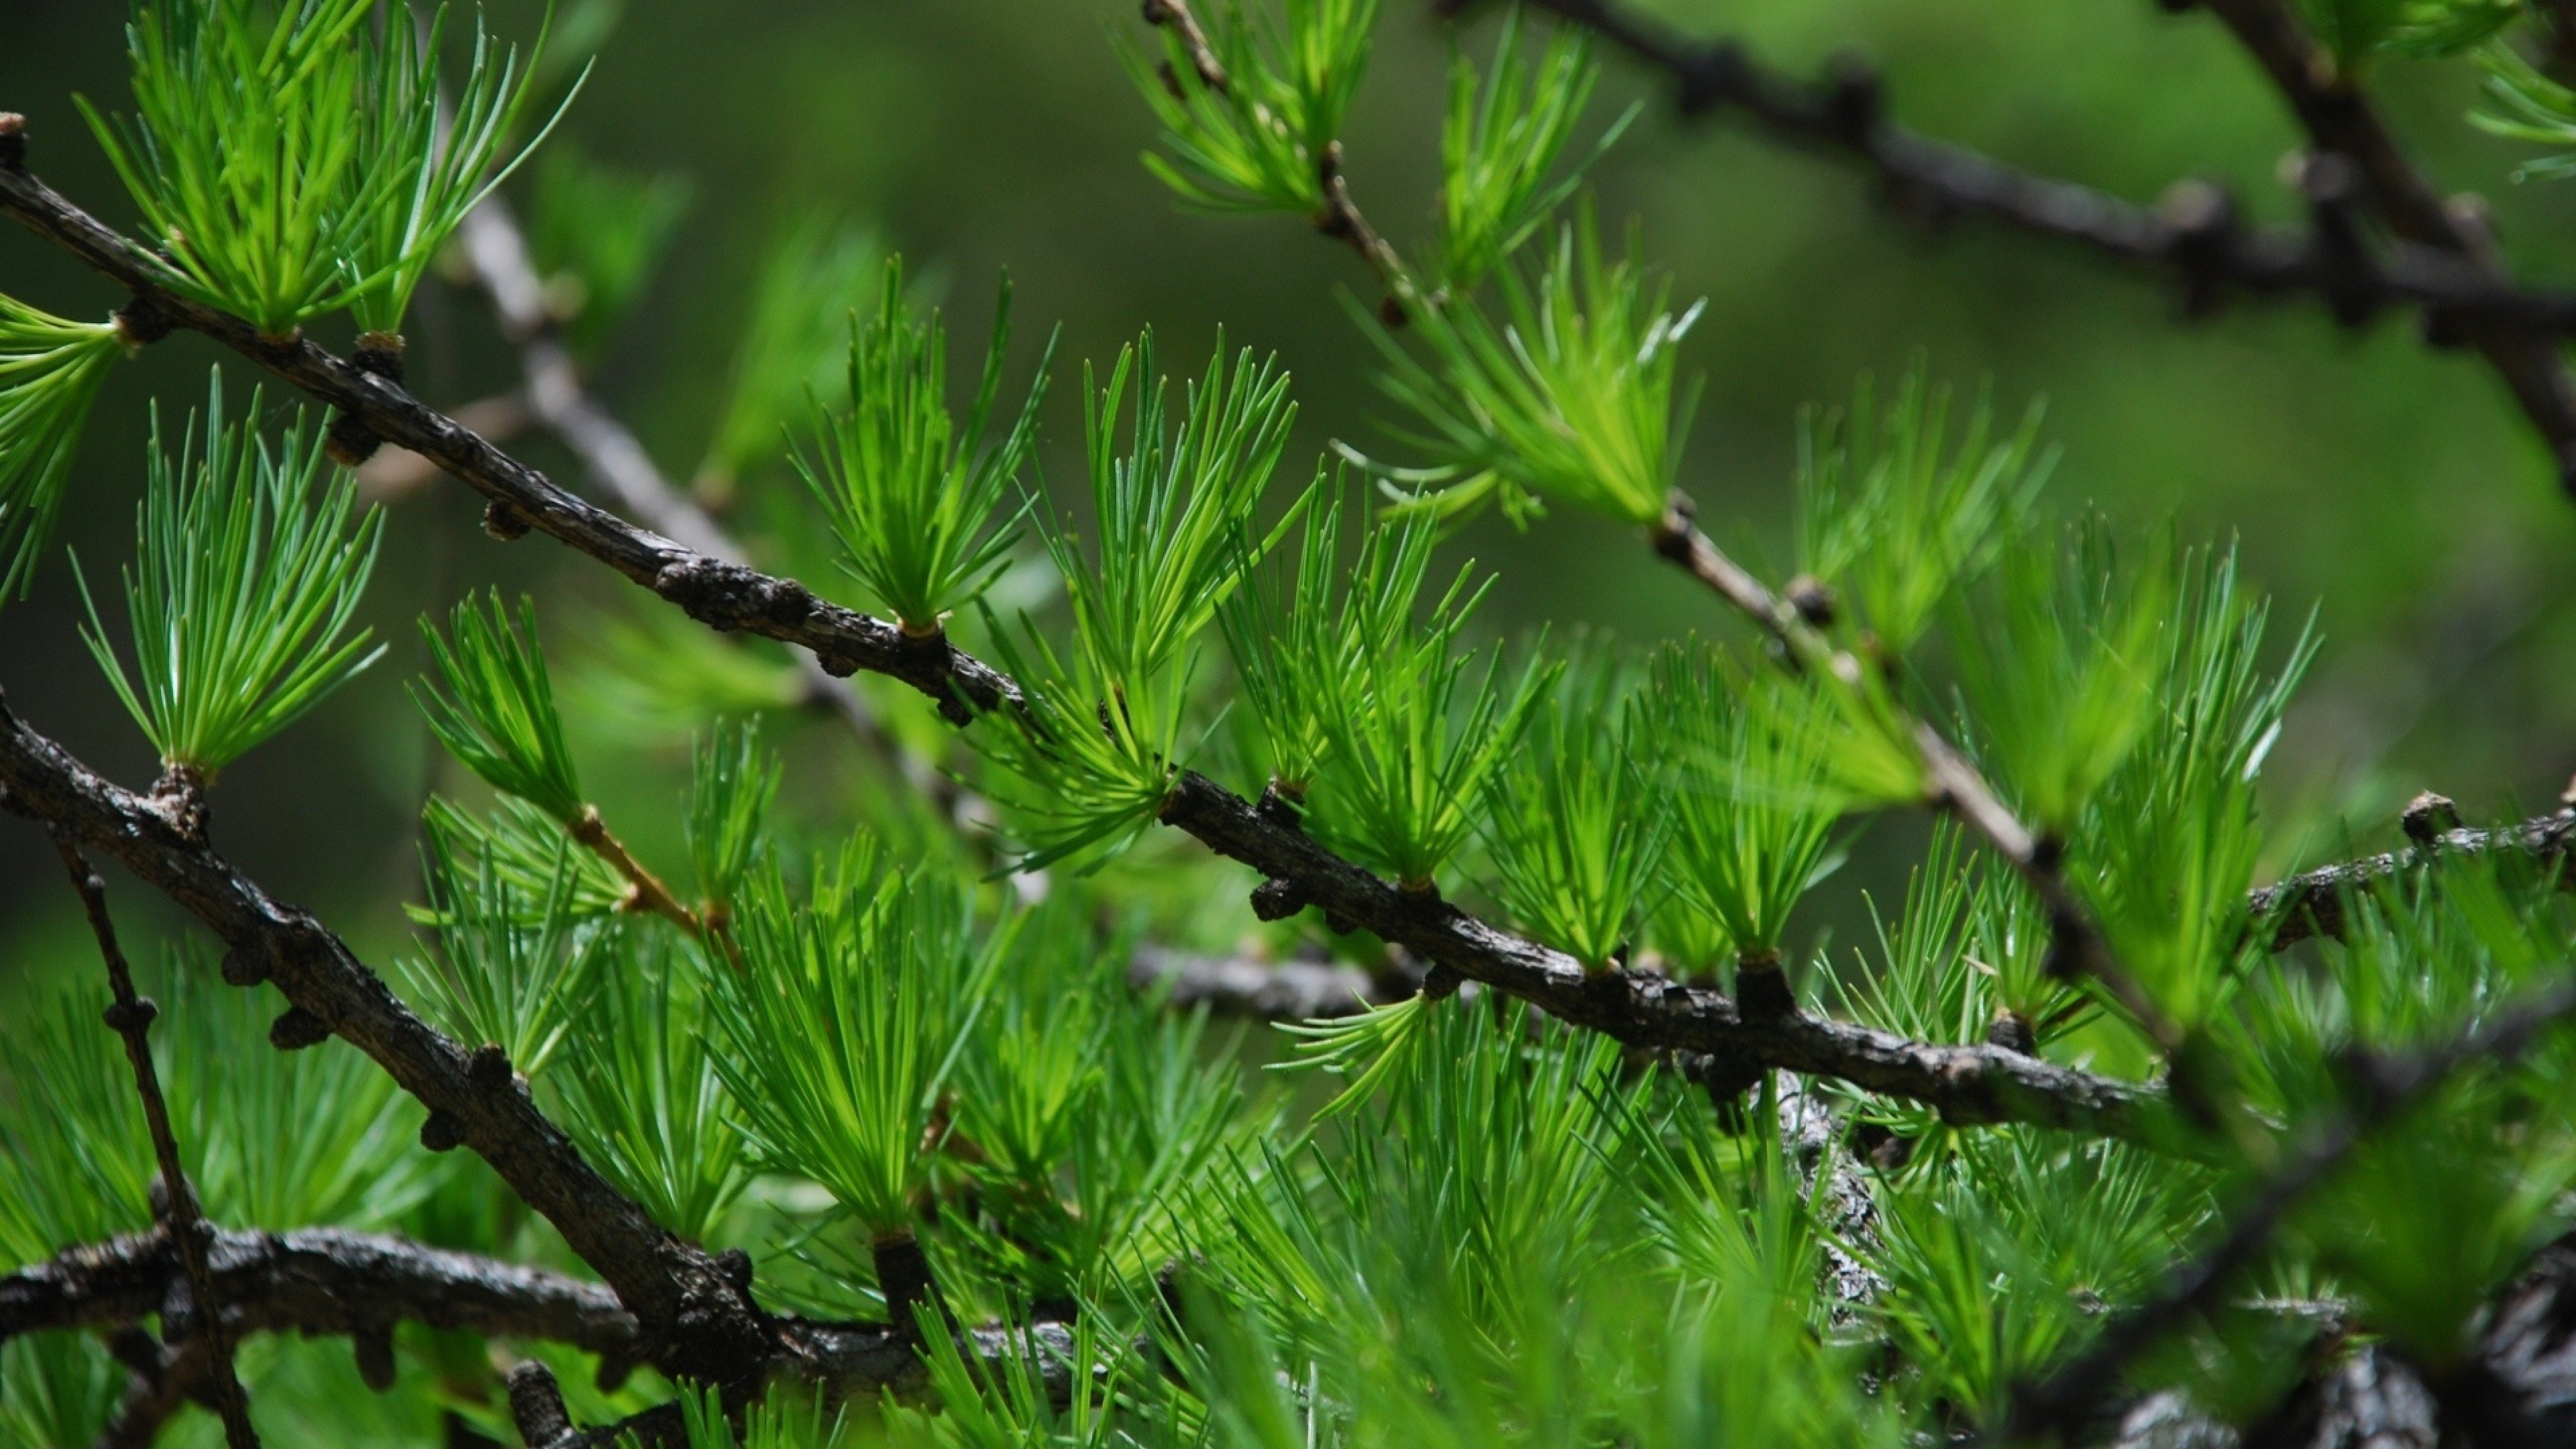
799, 1116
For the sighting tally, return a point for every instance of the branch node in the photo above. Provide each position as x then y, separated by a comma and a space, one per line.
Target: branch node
141, 323
788, 602
373, 1346
1710, 77
295, 1029
2014, 1033
504, 522
1441, 982
1762, 988
13, 141
1278, 899
442, 1132
735, 1265
126, 1018
246, 964
489, 1067
537, 1404
1812, 598
2427, 817
1855, 99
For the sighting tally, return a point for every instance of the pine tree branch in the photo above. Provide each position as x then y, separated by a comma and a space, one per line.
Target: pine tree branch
1340, 217
1265, 990
721, 594
2314, 903
319, 1282
2388, 1087
1970, 1083
702, 1324
2439, 261
2341, 121
130, 1017
1952, 783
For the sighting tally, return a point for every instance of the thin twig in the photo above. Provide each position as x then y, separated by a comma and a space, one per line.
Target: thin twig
644, 890
2389, 1087
131, 1018
2439, 260
1971, 1084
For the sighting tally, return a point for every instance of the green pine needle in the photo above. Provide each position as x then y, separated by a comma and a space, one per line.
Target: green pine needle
249, 573
916, 499
874, 980
50, 373
1500, 144
1258, 142
1569, 397
1577, 818
493, 705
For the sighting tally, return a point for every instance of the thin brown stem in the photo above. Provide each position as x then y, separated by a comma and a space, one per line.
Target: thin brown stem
131, 1018
644, 890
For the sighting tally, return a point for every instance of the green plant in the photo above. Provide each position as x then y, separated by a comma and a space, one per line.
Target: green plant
915, 497
932, 1136
249, 571
50, 373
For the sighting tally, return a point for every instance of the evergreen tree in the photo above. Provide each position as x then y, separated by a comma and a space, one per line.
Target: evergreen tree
792, 1128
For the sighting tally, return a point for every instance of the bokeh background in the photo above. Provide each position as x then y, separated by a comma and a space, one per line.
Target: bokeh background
2390, 489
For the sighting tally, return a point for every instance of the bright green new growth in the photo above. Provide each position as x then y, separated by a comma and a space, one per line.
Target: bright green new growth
1752, 798
1413, 732
1277, 630
2171, 844
875, 982
288, 155
784, 1418
248, 576
1892, 525
638, 1086
426, 169
50, 373
1577, 822
2058, 662
511, 968
2531, 106
1100, 737
917, 500
1569, 397
493, 705
730, 793
1500, 143
1257, 139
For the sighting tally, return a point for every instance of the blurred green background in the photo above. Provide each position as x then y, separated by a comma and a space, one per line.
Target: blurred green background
2392, 489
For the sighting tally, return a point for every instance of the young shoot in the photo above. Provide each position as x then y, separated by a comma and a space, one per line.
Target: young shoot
511, 968
875, 982
735, 783
247, 150
1500, 143
50, 373
918, 500
1256, 132
425, 170
1414, 730
639, 1090
1575, 818
1095, 748
1892, 519
250, 565
493, 705
1753, 800
1569, 397
1277, 630
597, 234
2058, 664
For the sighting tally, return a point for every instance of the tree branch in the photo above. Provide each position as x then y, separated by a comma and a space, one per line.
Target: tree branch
130, 1017
2389, 1087
2314, 903
2440, 261
1266, 990
317, 1282
1970, 1083
701, 1323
